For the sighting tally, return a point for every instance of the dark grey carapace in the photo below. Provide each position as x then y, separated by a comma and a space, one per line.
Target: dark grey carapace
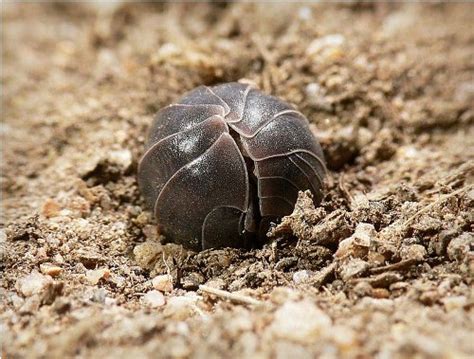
225, 161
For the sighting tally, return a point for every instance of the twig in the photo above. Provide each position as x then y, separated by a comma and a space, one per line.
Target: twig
323, 275
402, 265
448, 180
438, 201
382, 280
168, 269
233, 297
344, 190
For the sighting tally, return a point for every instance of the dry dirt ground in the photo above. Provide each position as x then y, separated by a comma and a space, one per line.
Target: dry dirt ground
384, 268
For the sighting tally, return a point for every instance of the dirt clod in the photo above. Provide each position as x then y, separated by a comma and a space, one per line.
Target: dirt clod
461, 246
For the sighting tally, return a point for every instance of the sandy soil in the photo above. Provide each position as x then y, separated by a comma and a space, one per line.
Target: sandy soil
383, 268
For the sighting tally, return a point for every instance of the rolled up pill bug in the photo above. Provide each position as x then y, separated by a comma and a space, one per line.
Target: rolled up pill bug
225, 161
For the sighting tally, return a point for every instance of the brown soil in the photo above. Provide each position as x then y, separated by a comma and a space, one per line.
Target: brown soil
383, 268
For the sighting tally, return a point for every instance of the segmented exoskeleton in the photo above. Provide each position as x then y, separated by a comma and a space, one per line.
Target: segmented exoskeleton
223, 162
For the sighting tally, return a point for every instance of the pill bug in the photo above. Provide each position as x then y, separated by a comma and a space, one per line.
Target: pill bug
225, 161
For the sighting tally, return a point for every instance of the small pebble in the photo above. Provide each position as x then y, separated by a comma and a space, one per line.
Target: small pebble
94, 276
470, 196
33, 283
31, 305
58, 258
192, 281
358, 244
301, 277
41, 253
3, 236
363, 289
300, 321
455, 302
16, 300
142, 219
280, 295
415, 252
98, 295
398, 288
353, 268
50, 269
305, 13
344, 337
429, 297
50, 208
364, 137
166, 51
146, 253
217, 283
123, 158
441, 242
180, 308
315, 95
154, 299
380, 293
460, 246
378, 304
163, 283
110, 301
324, 44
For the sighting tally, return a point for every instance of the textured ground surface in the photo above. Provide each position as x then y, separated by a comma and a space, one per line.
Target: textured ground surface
382, 269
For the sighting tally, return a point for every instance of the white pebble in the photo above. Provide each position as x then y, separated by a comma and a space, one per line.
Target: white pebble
163, 283
180, 308
122, 158
93, 276
50, 269
300, 321
455, 302
305, 13
460, 246
358, 244
33, 283
154, 299
301, 276
325, 42
3, 236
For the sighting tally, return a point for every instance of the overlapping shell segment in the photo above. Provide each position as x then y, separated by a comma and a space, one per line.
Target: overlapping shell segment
224, 160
